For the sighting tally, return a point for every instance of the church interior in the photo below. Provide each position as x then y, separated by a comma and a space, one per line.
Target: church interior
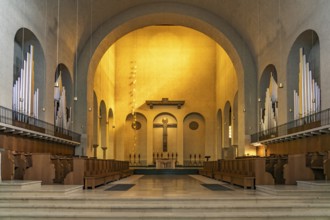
151, 109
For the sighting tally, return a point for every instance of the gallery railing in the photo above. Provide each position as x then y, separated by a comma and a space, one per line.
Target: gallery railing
315, 120
10, 117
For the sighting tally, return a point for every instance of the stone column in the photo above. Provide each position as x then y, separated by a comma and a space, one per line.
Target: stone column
95, 150
104, 152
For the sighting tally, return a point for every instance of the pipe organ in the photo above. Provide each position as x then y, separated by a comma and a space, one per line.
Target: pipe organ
62, 112
307, 100
25, 99
270, 112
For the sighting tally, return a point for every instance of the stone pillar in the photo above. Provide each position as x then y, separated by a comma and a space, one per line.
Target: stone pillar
104, 152
95, 150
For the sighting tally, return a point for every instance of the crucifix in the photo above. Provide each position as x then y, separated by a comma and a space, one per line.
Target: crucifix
164, 125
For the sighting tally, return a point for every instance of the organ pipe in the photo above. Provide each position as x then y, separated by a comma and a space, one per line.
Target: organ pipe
62, 112
270, 111
25, 99
307, 99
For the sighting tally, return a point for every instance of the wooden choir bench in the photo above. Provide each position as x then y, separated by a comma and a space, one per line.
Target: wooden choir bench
237, 172
100, 172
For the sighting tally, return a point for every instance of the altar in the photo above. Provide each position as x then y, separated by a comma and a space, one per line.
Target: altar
165, 163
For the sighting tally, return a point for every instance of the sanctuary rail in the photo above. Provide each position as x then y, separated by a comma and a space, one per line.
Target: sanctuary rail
10, 117
315, 120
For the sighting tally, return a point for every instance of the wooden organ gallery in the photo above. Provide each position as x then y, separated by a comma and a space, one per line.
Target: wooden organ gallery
95, 94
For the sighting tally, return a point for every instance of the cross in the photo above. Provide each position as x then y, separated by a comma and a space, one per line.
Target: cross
164, 125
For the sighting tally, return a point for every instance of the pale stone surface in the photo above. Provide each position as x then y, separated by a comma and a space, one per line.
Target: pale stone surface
163, 197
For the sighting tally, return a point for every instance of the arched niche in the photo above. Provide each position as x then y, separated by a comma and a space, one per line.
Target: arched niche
227, 122
24, 38
136, 139
265, 82
63, 82
309, 41
235, 121
95, 120
111, 135
103, 127
193, 139
219, 134
164, 135
229, 150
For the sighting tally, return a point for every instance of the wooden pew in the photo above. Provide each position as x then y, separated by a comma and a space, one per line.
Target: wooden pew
239, 172
209, 169
100, 172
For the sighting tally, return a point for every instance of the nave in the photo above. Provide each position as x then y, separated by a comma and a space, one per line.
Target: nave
163, 197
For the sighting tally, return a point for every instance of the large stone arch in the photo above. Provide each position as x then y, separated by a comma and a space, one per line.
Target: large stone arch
176, 14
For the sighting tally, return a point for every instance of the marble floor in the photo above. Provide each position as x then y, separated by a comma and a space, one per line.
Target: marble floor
170, 186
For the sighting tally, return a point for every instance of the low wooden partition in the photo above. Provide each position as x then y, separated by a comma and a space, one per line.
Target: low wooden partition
69, 170
326, 166
42, 169
7, 165
296, 169
76, 176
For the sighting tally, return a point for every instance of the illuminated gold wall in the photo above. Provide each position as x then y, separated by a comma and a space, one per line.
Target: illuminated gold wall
172, 62
226, 89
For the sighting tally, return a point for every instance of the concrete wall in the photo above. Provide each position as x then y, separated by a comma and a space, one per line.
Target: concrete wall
262, 34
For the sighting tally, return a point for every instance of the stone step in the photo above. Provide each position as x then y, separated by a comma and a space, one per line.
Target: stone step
18, 185
146, 207
323, 185
150, 214
291, 190
245, 201
42, 190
